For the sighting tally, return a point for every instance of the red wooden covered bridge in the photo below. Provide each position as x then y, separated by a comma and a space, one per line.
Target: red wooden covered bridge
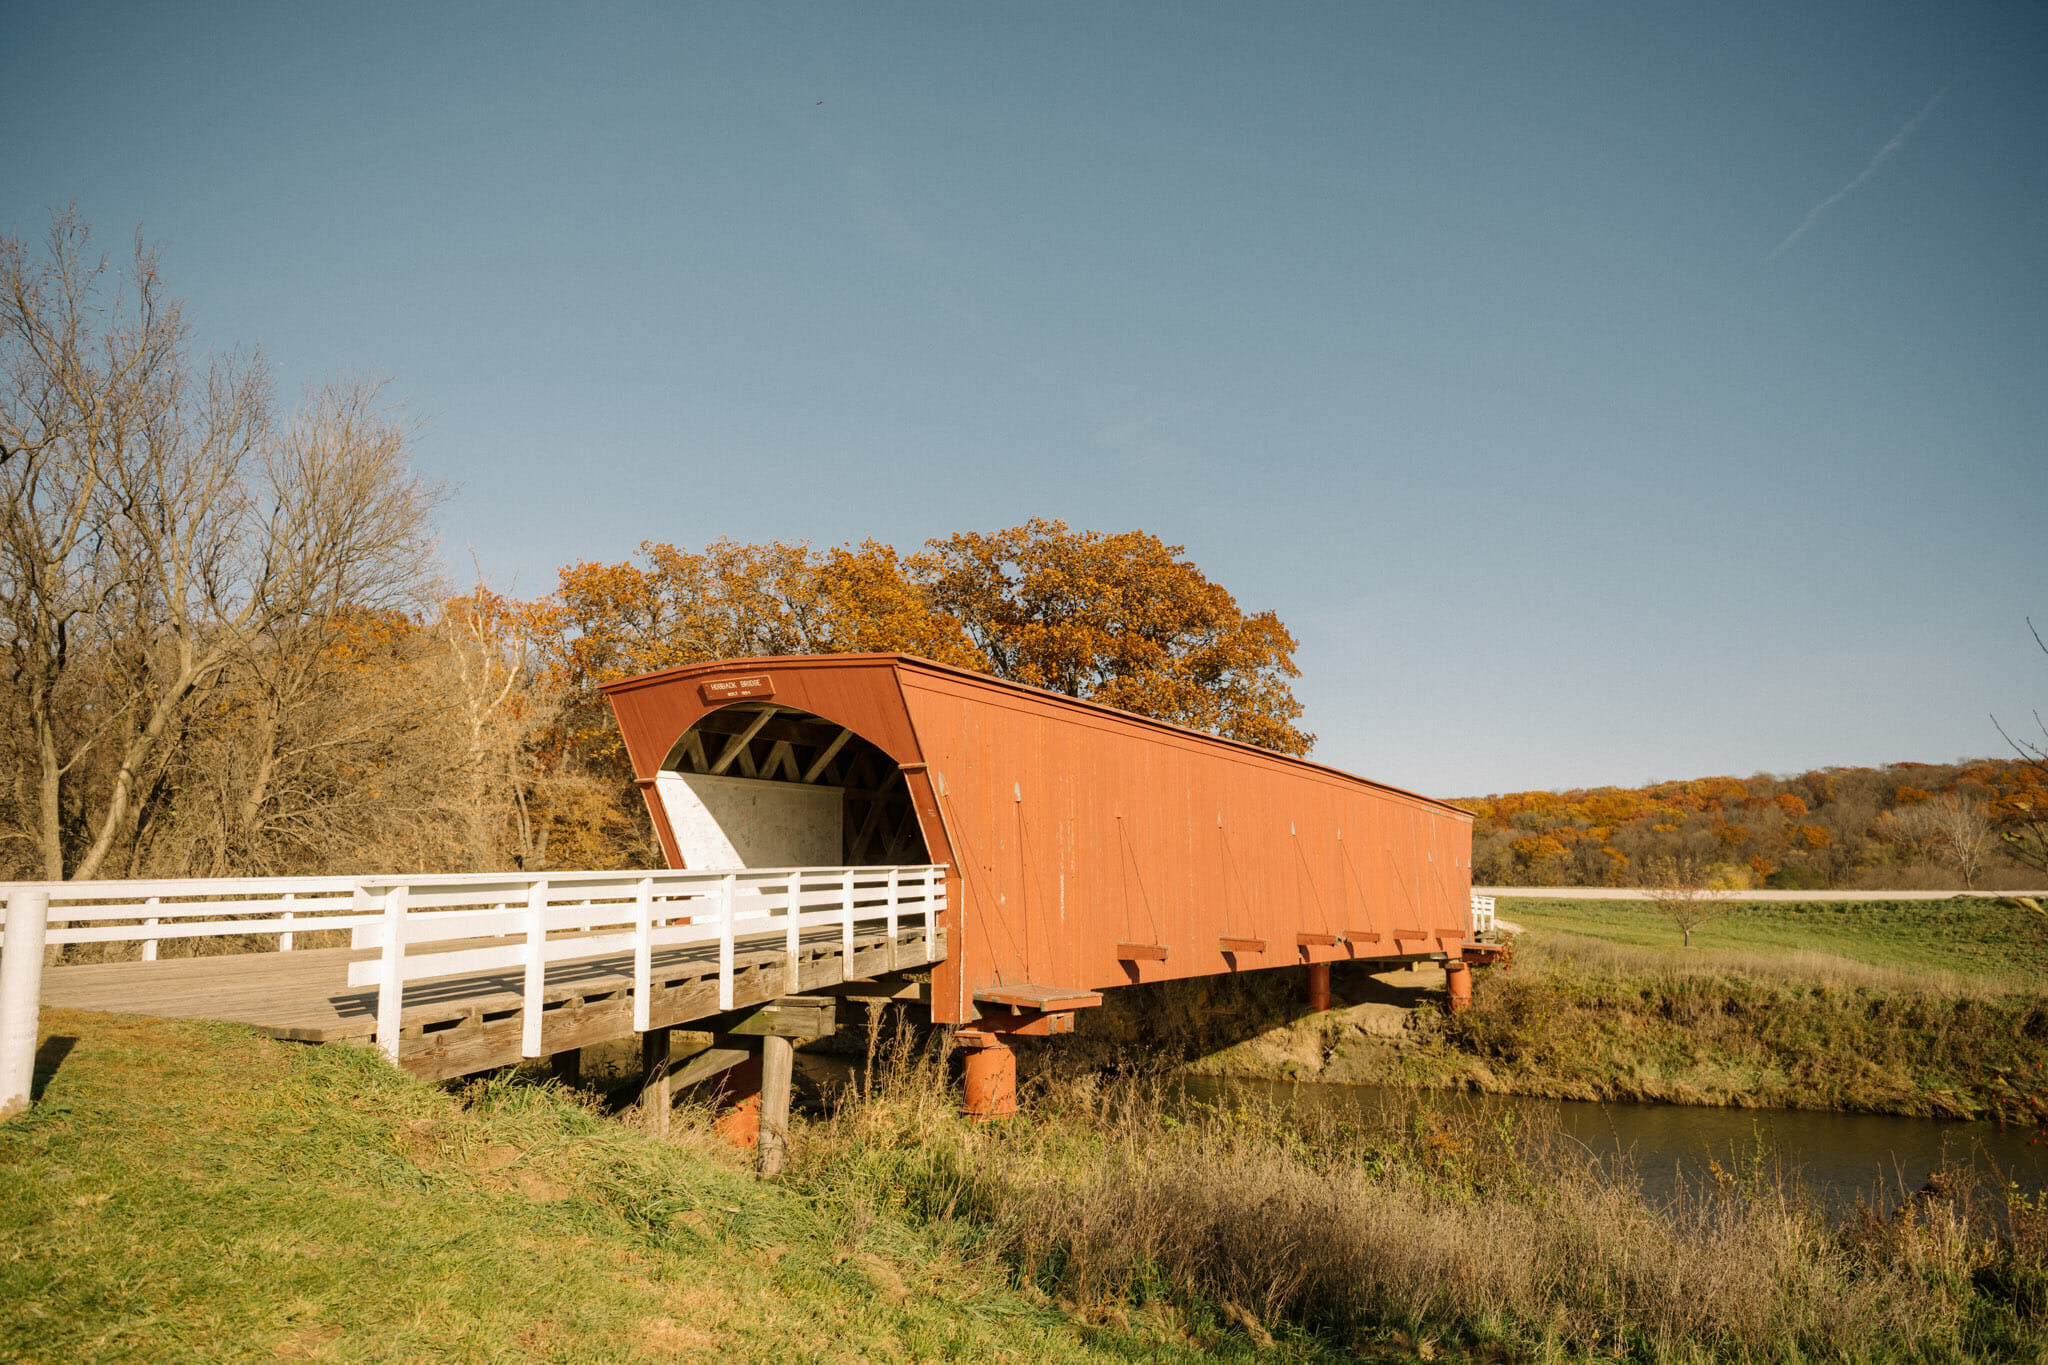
844, 825
1085, 848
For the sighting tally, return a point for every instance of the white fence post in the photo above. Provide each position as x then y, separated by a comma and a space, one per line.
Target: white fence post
1482, 915
284, 940
792, 935
895, 890
846, 923
149, 944
931, 910
725, 886
533, 996
643, 956
21, 996
391, 979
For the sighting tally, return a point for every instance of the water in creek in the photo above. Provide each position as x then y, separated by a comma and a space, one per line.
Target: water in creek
1842, 1158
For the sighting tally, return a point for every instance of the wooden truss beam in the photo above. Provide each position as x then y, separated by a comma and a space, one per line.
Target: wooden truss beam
830, 752
737, 745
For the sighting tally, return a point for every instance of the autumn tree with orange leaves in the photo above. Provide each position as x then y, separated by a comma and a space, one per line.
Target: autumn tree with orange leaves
1124, 620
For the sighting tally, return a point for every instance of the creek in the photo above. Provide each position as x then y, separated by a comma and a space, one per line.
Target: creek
1877, 1159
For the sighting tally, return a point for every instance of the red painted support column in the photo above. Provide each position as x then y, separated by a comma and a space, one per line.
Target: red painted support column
739, 1105
991, 1088
1458, 985
1318, 987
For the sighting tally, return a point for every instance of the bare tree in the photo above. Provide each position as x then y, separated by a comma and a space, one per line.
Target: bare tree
1678, 889
161, 524
1953, 830
2026, 813
500, 711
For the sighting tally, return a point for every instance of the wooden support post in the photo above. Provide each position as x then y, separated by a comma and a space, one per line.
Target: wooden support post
21, 996
778, 1059
568, 1067
654, 1079
1318, 987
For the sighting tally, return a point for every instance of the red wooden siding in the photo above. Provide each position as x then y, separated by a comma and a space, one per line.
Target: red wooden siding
1072, 828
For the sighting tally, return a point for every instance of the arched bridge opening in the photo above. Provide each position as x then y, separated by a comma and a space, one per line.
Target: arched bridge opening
761, 784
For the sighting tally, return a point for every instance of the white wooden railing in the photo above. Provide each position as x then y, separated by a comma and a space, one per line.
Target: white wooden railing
440, 926
1482, 915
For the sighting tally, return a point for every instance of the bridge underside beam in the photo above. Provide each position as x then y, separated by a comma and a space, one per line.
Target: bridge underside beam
480, 1039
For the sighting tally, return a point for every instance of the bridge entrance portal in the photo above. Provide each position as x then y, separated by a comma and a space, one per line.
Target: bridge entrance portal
757, 784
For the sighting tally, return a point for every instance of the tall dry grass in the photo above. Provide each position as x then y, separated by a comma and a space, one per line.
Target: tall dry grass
1438, 1224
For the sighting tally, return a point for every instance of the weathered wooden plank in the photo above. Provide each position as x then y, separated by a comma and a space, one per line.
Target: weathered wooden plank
784, 1017
456, 1026
712, 1061
1031, 996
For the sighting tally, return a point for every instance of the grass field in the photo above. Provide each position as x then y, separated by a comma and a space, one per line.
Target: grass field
1930, 1008
193, 1192
1945, 943
1917, 1007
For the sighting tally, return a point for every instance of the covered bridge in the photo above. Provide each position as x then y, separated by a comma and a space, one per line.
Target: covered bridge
1087, 847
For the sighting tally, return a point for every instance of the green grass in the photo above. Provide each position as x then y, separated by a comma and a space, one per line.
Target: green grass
1977, 940
1905, 1007
1916, 1008
193, 1192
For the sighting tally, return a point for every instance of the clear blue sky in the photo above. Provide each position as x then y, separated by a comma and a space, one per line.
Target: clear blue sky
1601, 392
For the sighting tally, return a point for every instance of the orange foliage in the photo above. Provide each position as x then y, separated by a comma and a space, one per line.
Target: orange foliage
1822, 827
1124, 620
1119, 619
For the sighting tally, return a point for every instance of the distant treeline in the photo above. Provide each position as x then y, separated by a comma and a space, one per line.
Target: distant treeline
1903, 826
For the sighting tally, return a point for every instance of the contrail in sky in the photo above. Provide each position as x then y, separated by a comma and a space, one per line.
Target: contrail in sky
1898, 140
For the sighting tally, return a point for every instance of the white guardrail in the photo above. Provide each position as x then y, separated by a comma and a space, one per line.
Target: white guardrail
555, 916
1482, 915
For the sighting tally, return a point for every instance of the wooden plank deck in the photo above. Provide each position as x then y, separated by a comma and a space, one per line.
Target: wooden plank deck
452, 1026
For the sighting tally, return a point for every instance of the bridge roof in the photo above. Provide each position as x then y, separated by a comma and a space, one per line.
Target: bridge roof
651, 724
